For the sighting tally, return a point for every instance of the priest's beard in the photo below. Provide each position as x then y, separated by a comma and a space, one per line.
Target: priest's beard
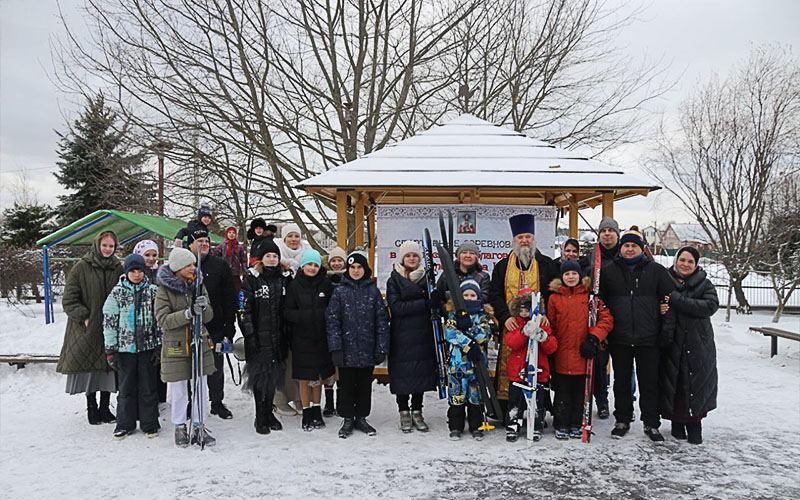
524, 255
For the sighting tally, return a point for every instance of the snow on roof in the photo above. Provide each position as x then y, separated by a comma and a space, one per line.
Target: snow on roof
480, 154
691, 232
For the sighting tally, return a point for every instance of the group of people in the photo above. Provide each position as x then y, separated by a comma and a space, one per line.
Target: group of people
310, 323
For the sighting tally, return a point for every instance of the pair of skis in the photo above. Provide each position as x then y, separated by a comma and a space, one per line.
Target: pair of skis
198, 392
436, 320
532, 370
588, 390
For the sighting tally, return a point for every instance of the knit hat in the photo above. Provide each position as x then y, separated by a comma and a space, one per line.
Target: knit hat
608, 222
408, 246
133, 262
290, 228
337, 252
570, 265
359, 257
632, 236
231, 228
144, 246
311, 256
204, 210
692, 250
268, 246
522, 223
471, 284
180, 258
196, 235
468, 246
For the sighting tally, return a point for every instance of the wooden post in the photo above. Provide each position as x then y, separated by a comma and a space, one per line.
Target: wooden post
608, 204
341, 220
573, 217
371, 230
359, 220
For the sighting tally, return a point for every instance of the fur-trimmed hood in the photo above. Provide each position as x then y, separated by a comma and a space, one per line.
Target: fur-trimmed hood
556, 285
166, 278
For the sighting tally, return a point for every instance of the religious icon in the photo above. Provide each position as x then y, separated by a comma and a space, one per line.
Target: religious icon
466, 222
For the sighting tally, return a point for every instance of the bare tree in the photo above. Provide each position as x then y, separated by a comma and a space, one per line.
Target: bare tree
779, 251
734, 136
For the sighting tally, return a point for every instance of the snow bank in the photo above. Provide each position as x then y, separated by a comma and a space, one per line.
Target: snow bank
48, 450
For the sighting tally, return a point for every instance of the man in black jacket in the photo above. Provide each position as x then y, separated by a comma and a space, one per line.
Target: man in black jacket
218, 281
632, 286
525, 267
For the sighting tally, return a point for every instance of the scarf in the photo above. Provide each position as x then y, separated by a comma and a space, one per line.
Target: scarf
413, 276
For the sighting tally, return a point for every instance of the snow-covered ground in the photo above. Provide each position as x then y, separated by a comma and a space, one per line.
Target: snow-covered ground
751, 449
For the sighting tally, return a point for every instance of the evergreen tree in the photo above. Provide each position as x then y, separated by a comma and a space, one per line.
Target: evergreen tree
99, 164
24, 225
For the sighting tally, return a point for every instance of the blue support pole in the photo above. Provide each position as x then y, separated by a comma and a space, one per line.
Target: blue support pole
48, 298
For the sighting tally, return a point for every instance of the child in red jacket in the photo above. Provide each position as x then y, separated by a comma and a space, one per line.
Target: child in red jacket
568, 312
517, 341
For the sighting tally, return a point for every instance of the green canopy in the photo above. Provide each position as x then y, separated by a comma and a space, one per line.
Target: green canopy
127, 226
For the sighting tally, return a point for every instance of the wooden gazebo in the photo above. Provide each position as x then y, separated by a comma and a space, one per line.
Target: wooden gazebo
469, 160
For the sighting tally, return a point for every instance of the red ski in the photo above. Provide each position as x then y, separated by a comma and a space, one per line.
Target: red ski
588, 391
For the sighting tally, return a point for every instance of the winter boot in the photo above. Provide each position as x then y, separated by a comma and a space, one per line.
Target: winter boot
105, 414
181, 436
207, 439
330, 404
272, 421
562, 434
455, 435
346, 430
678, 430
575, 433
653, 434
620, 429
602, 411
121, 434
151, 434
220, 410
512, 430
261, 423
91, 409
477, 435
406, 424
316, 417
694, 431
363, 426
419, 422
307, 420
537, 435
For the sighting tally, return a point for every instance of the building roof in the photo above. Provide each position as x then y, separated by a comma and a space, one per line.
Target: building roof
470, 153
691, 232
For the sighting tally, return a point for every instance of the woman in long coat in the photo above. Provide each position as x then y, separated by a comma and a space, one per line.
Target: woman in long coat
412, 354
83, 357
688, 368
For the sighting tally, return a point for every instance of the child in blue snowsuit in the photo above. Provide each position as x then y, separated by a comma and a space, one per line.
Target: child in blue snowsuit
466, 336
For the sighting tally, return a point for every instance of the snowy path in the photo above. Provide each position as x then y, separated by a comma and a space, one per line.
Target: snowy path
47, 450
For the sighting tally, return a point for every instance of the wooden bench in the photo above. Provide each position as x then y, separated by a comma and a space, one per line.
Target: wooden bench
19, 360
769, 331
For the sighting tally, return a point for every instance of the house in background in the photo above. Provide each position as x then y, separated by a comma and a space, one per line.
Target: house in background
679, 235
652, 236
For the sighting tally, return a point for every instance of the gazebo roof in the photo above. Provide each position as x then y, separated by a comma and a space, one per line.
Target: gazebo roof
472, 158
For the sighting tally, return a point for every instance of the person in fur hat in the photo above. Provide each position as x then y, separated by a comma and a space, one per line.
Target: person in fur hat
204, 217
232, 252
517, 341
412, 362
467, 335
257, 235
568, 310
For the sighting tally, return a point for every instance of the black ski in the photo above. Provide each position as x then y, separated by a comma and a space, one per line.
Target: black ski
436, 320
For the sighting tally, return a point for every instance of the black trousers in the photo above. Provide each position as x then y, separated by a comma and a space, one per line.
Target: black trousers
518, 405
455, 417
601, 378
138, 392
416, 402
354, 397
622, 359
568, 406
216, 381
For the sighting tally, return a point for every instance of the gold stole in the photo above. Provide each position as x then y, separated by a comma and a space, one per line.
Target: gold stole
515, 280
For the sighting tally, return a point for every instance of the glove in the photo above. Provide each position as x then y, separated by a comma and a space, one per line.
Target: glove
463, 322
200, 305
437, 297
155, 357
529, 329
379, 358
338, 358
588, 348
112, 358
541, 334
474, 354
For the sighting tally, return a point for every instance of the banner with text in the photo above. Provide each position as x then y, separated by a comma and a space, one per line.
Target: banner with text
486, 225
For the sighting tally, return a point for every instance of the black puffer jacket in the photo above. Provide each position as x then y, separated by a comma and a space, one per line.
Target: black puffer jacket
634, 300
306, 301
497, 289
689, 355
218, 283
412, 358
261, 304
477, 273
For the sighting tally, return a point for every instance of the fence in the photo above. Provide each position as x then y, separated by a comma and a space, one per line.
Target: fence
762, 297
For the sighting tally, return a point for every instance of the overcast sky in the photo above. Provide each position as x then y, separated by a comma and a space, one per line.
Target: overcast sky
697, 38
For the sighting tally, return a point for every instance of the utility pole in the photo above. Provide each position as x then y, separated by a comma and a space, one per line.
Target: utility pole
160, 147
